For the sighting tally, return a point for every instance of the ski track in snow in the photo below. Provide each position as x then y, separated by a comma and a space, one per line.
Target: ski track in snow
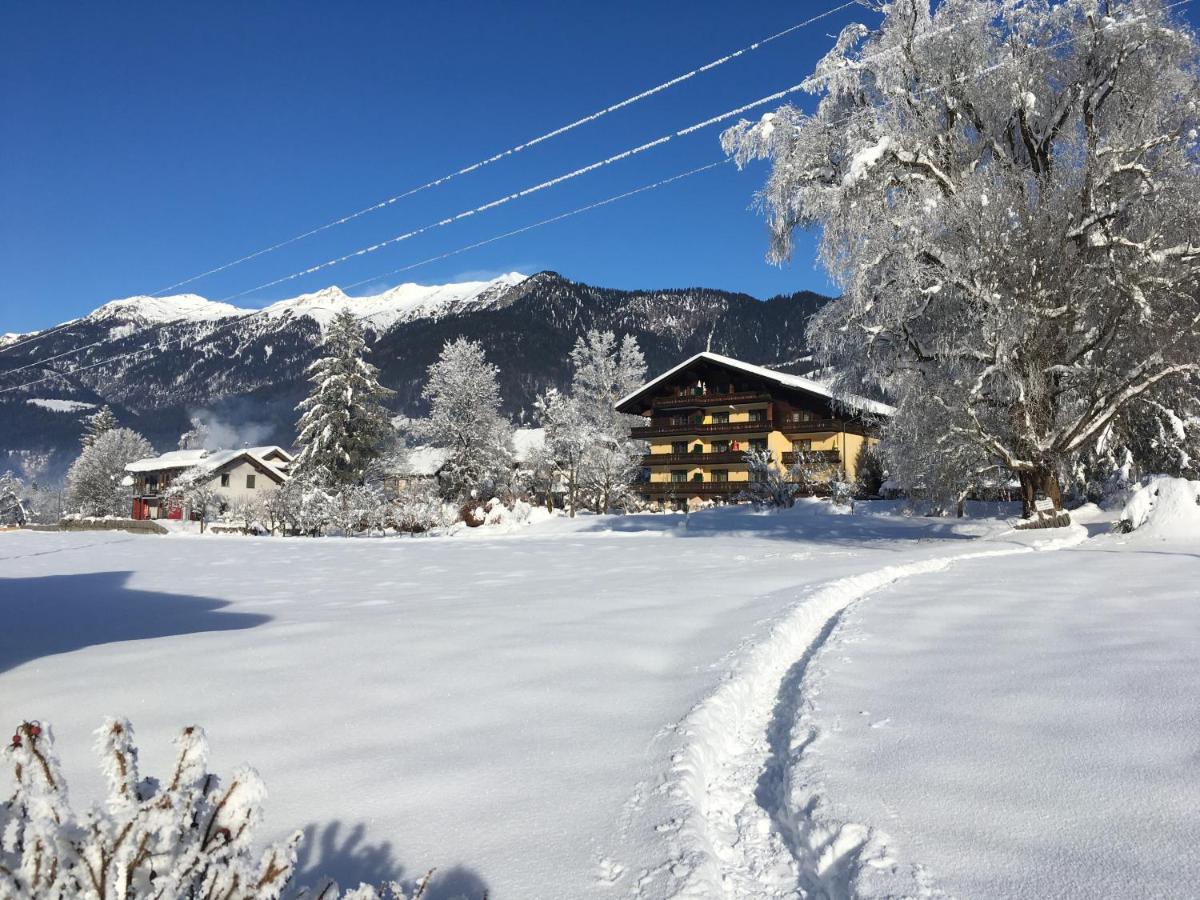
744, 826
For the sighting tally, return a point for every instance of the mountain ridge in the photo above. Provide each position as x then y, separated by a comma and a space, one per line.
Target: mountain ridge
247, 367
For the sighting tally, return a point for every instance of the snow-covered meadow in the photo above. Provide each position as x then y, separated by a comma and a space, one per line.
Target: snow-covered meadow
731, 704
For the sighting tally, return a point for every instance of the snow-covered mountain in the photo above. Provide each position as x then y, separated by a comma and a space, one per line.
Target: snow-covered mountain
158, 358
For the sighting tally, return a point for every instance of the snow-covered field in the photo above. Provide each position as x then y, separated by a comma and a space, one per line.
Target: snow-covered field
647, 706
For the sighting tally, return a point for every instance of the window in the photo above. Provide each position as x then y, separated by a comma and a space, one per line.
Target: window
758, 443
678, 475
224, 479
758, 415
720, 447
802, 446
697, 448
721, 418
720, 475
699, 476
250, 481
679, 446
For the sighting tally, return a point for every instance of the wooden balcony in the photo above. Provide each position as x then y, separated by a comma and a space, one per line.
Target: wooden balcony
811, 426
831, 457
684, 489
695, 401
659, 430
694, 459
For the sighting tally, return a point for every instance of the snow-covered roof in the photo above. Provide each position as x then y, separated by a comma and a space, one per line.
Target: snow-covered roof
211, 460
781, 378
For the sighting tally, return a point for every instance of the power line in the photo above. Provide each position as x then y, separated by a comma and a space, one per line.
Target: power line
582, 209
508, 198
549, 135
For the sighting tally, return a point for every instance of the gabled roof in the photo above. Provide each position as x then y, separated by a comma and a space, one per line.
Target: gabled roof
795, 382
215, 460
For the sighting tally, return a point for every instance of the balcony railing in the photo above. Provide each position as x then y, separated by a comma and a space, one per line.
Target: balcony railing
812, 425
693, 459
685, 489
647, 431
831, 457
691, 401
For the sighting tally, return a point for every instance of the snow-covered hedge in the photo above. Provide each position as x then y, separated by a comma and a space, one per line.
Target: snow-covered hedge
1163, 506
188, 836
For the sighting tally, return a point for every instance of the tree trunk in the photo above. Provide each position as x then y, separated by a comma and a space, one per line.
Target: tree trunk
1037, 484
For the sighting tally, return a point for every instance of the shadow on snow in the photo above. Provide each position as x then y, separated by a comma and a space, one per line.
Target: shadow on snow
327, 854
61, 613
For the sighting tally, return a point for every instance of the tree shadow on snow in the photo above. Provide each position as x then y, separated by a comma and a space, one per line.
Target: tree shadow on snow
340, 853
807, 521
61, 613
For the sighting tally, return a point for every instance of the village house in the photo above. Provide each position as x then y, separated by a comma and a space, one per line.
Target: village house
708, 411
233, 475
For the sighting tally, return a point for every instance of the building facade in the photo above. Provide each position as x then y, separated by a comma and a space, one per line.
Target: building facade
233, 475
706, 413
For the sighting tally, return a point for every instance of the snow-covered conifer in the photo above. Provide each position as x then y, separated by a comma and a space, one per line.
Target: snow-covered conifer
344, 424
13, 507
96, 424
1007, 195
96, 480
464, 418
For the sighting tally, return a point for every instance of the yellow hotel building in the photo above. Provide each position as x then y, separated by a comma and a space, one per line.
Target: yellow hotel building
707, 412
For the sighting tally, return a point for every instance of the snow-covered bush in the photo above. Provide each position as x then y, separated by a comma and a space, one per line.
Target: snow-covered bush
190, 835
1162, 506
770, 487
13, 509
418, 507
96, 480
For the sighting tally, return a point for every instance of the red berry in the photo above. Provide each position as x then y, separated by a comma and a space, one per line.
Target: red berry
16, 740
35, 730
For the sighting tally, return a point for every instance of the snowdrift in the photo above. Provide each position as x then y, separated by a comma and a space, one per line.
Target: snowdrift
1164, 507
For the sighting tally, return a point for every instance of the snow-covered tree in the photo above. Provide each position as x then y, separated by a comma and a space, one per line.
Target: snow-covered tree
569, 436
344, 424
586, 436
187, 835
96, 424
464, 418
868, 471
770, 487
418, 507
303, 503
1008, 196
96, 480
196, 437
13, 507
194, 489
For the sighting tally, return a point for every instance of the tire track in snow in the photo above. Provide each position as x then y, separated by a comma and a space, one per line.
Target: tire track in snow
743, 833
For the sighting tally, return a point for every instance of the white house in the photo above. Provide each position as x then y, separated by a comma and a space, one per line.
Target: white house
234, 475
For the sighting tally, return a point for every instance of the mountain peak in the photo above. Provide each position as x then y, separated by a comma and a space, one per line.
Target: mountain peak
152, 310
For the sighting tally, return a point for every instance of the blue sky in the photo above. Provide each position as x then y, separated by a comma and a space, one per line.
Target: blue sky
147, 142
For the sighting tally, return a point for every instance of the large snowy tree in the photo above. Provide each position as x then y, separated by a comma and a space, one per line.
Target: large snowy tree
1008, 195
464, 418
96, 480
587, 422
344, 425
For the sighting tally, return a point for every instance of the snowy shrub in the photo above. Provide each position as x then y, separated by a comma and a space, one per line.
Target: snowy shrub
770, 487
13, 509
190, 836
1163, 506
472, 514
418, 507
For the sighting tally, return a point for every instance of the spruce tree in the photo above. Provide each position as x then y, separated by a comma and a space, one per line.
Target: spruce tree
344, 425
96, 424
